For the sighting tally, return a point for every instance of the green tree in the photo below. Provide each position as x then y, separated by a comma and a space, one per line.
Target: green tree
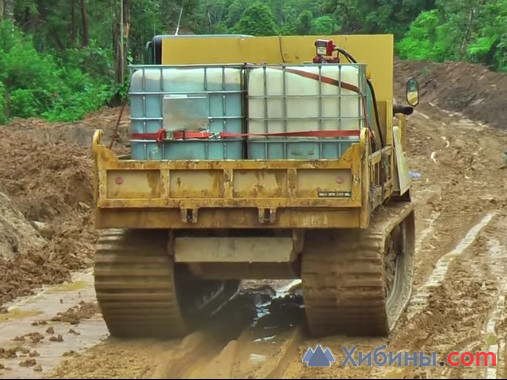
376, 16
304, 23
322, 25
464, 29
235, 10
424, 40
489, 44
257, 20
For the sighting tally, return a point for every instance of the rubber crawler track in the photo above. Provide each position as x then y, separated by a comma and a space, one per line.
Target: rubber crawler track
134, 282
343, 276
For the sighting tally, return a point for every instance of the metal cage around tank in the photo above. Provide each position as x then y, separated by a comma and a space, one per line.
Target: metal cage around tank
315, 103
213, 93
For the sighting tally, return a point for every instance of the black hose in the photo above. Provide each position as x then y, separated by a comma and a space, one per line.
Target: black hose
346, 54
377, 118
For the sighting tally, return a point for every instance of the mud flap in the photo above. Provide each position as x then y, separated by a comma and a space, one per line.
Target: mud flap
401, 181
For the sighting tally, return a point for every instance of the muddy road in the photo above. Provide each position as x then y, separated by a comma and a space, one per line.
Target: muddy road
458, 300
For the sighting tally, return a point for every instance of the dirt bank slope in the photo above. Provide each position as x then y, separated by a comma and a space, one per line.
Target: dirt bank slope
50, 184
462, 87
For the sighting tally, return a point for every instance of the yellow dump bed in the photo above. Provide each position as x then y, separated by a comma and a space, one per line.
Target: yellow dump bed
200, 194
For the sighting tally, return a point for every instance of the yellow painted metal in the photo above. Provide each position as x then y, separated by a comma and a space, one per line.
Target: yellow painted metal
374, 50
229, 183
230, 218
231, 193
133, 184
402, 124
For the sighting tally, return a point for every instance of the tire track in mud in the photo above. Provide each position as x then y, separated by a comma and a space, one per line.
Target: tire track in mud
262, 349
495, 331
419, 300
461, 308
411, 334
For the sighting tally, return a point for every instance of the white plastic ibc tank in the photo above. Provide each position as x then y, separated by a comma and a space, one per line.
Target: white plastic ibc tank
181, 79
302, 113
154, 83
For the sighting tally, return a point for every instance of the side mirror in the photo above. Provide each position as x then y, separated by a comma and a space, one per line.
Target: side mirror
412, 92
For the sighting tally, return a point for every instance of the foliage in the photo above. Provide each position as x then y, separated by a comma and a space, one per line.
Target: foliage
469, 29
424, 40
322, 25
304, 22
45, 85
257, 20
376, 16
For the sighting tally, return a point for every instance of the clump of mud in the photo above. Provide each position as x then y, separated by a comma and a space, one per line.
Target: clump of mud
75, 314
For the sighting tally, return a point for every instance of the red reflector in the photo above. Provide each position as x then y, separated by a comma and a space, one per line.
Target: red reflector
118, 180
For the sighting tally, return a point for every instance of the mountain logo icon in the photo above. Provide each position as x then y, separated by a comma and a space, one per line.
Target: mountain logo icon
318, 357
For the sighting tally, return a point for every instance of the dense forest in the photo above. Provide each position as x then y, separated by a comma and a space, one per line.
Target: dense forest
60, 59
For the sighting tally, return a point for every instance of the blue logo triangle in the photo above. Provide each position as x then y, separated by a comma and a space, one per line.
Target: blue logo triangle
329, 355
308, 355
319, 358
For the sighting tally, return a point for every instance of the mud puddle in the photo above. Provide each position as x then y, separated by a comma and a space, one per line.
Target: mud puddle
265, 349
57, 321
251, 336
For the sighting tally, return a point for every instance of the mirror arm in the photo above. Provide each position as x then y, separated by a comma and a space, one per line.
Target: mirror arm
405, 110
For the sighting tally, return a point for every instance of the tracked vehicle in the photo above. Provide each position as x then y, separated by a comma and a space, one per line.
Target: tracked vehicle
256, 158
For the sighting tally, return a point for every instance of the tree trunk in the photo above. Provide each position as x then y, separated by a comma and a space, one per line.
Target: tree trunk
210, 24
116, 45
73, 30
84, 39
6, 10
9, 9
468, 32
121, 28
126, 30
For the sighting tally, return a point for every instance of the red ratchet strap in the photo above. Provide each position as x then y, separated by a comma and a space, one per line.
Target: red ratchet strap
159, 136
180, 135
324, 79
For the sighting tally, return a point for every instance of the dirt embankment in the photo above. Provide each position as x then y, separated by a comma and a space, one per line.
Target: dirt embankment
471, 89
79, 132
50, 184
46, 224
